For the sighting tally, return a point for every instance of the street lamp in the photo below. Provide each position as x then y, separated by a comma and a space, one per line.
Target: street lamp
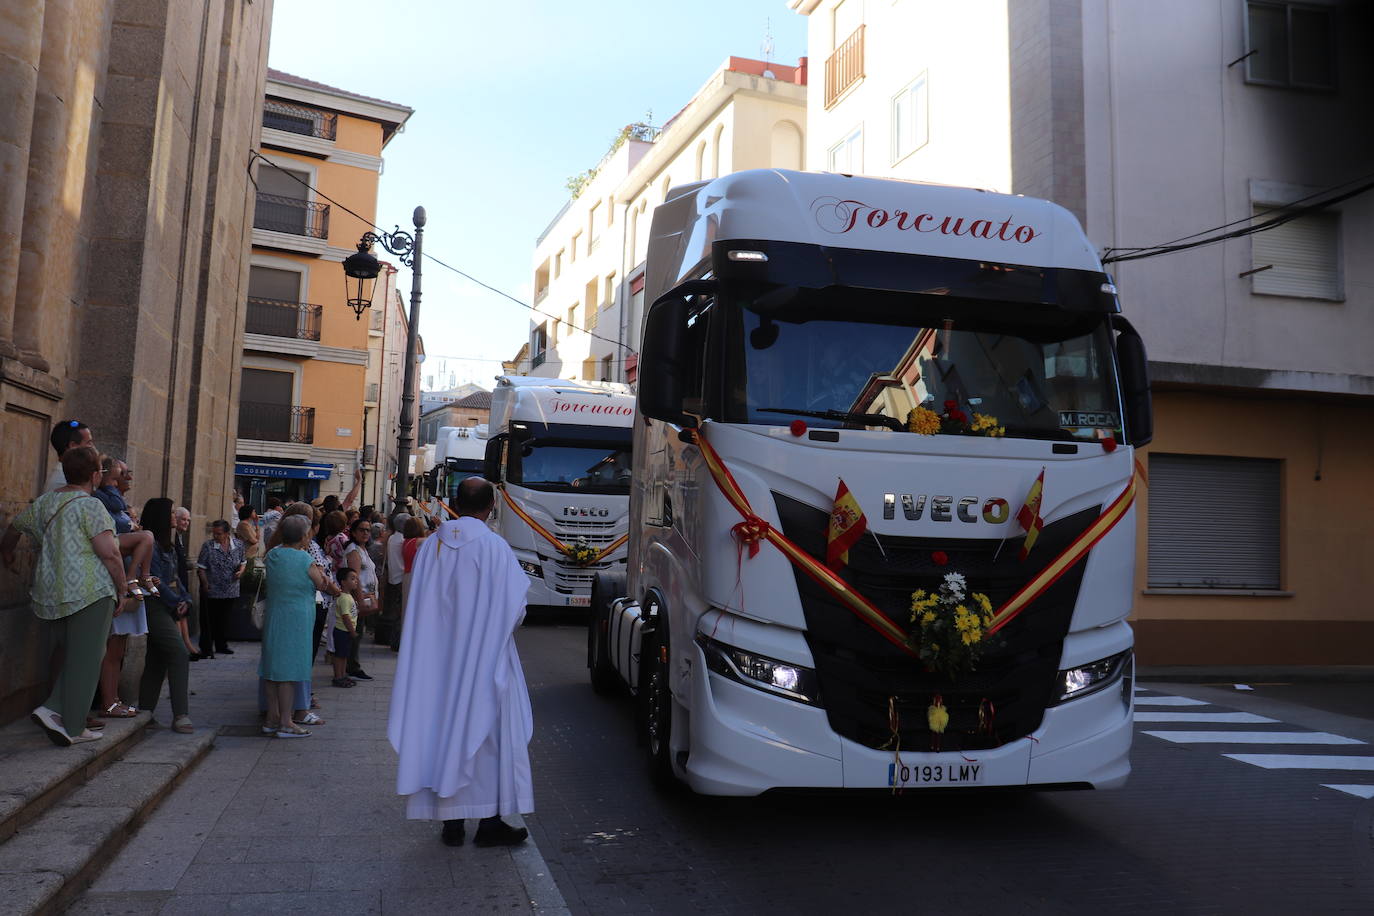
362, 266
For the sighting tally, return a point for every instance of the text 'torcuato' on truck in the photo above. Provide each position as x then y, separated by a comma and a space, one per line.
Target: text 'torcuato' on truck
943, 354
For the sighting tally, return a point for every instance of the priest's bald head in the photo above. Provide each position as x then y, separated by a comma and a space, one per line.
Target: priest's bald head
476, 497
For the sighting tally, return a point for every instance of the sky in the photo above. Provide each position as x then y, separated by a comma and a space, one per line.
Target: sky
511, 98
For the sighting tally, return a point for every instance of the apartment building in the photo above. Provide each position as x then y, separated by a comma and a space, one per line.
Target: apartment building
588, 273
315, 375
1156, 123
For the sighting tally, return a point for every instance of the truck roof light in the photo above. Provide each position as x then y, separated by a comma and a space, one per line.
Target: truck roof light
1109, 289
747, 256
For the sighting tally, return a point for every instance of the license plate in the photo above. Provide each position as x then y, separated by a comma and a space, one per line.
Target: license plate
579, 601
935, 774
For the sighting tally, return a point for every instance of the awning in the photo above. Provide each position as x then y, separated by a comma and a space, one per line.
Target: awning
295, 471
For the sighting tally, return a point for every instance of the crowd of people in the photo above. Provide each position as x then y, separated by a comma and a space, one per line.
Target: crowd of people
107, 571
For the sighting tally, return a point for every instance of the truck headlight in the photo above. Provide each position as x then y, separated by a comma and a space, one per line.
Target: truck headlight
759, 671
532, 569
1092, 677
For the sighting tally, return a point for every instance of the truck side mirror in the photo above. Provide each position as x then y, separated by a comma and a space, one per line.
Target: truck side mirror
662, 369
491, 460
1135, 383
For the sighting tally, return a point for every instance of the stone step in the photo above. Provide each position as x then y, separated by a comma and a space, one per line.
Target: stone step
82, 811
37, 774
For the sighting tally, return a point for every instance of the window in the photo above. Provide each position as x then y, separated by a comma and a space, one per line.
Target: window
539, 345
1298, 258
606, 368
910, 119
594, 227
1214, 522
847, 155
590, 296
558, 264
1290, 44
572, 249
608, 297
553, 332
572, 317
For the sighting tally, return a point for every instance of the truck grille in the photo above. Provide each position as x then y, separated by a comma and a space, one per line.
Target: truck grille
858, 670
597, 534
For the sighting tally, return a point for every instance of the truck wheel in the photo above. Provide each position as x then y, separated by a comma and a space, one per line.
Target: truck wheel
605, 589
656, 708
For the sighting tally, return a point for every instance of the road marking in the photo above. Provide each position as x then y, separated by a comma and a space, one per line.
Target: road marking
1304, 761
1247, 718
1183, 737
1360, 791
1168, 701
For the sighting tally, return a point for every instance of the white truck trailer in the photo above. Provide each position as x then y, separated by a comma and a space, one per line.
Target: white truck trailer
559, 453
935, 351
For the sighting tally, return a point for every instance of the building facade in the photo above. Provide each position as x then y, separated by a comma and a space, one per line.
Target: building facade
1160, 123
470, 410
308, 360
124, 221
588, 274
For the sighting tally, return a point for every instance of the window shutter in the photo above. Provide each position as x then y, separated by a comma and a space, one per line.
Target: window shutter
1214, 522
1304, 254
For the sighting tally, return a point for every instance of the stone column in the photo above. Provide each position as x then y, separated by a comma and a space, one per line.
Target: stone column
50, 150
21, 42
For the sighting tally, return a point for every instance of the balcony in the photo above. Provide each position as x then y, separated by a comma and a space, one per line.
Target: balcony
276, 422
844, 67
291, 216
298, 119
538, 359
279, 318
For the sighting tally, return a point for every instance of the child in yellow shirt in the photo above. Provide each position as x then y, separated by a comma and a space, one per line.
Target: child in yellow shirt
345, 626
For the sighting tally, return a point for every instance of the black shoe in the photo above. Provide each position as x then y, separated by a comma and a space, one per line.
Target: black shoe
452, 834
492, 831
225, 651
360, 674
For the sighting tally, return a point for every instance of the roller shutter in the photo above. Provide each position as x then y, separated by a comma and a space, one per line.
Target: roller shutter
1303, 255
1214, 522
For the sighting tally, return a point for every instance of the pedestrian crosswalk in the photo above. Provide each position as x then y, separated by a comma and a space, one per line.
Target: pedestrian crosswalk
1155, 709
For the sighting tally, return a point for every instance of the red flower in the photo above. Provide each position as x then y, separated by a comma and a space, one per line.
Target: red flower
951, 404
1109, 444
940, 557
798, 427
958, 416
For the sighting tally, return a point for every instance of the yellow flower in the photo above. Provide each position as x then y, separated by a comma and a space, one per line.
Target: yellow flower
987, 425
928, 617
923, 421
937, 717
983, 603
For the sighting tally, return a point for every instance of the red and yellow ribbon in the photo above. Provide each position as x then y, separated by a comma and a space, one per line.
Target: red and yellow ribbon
754, 529
559, 545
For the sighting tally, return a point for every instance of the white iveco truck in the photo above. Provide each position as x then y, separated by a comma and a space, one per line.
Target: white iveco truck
559, 453
800, 324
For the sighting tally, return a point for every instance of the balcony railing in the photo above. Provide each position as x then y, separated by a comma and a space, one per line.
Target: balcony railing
297, 119
537, 359
844, 67
276, 422
292, 215
280, 318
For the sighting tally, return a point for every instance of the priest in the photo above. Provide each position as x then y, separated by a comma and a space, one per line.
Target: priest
460, 713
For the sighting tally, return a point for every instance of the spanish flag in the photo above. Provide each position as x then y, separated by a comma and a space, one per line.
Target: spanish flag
847, 525
1029, 516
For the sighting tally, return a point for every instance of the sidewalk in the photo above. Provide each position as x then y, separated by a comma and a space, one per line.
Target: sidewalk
310, 825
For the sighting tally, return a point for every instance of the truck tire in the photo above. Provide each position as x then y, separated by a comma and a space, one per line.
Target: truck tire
606, 588
656, 708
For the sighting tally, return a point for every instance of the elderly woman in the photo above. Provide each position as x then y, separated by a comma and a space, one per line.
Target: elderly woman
221, 565
77, 584
292, 580
357, 558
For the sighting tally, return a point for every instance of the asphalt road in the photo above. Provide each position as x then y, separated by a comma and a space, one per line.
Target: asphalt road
1194, 831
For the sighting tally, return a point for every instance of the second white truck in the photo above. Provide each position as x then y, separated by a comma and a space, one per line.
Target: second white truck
559, 454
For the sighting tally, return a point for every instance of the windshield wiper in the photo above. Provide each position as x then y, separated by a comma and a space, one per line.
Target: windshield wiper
868, 419
1053, 434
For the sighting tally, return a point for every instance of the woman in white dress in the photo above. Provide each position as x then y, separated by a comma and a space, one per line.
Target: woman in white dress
358, 559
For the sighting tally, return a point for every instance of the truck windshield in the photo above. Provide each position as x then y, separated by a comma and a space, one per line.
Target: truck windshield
865, 359
553, 465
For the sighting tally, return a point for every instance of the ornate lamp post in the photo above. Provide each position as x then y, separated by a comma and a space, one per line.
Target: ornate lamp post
362, 266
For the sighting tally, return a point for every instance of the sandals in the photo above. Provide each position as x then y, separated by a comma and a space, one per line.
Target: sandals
293, 733
344, 682
118, 710
309, 719
183, 725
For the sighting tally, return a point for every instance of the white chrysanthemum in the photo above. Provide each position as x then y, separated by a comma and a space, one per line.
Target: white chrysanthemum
955, 583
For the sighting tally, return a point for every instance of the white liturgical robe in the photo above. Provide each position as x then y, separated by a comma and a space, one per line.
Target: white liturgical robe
460, 712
